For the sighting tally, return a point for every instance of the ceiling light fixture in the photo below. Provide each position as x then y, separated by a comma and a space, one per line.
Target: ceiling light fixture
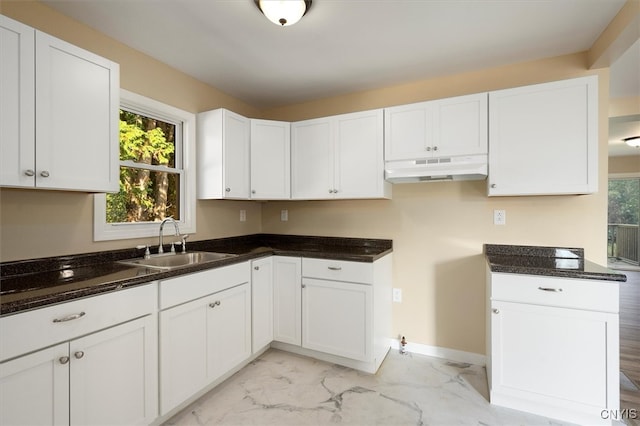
283, 12
633, 141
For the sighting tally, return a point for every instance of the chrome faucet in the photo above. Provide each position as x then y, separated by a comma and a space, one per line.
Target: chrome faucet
175, 225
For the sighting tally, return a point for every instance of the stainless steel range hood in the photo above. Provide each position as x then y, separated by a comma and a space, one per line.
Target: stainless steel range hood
469, 167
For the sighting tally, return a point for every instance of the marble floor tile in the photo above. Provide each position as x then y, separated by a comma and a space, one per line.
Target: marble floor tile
280, 388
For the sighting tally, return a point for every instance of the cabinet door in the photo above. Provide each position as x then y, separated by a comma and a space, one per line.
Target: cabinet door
287, 299
337, 318
409, 131
461, 125
34, 389
183, 353
236, 135
114, 375
359, 170
543, 139
77, 103
228, 330
312, 159
554, 353
270, 160
262, 303
17, 104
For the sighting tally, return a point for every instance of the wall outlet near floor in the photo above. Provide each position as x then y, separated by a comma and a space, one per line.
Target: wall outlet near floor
284, 215
397, 295
499, 217
243, 215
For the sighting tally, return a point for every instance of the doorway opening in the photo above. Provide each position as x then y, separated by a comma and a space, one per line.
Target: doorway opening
623, 234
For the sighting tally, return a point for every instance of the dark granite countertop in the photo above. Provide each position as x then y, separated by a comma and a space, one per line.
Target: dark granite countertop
28, 284
563, 262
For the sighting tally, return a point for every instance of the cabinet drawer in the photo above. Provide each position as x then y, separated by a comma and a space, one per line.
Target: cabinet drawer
182, 289
338, 270
29, 331
591, 295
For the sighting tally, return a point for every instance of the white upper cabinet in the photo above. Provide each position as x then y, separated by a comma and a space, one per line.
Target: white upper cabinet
223, 155
59, 113
339, 157
544, 139
441, 128
270, 160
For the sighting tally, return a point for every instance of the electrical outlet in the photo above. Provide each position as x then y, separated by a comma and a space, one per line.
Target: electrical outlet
243, 215
284, 215
397, 295
499, 217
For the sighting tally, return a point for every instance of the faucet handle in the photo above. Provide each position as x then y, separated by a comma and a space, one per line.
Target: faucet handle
147, 253
184, 242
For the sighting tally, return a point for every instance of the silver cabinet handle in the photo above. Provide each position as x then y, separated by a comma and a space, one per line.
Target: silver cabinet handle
70, 317
428, 148
304, 286
435, 148
44, 174
493, 185
496, 310
253, 191
227, 189
63, 359
257, 268
78, 354
214, 304
29, 172
555, 290
331, 191
335, 268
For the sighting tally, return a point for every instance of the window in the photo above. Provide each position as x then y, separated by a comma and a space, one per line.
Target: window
157, 172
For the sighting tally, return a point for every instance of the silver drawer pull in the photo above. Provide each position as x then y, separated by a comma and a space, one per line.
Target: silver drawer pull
335, 268
63, 360
556, 290
214, 304
78, 354
70, 317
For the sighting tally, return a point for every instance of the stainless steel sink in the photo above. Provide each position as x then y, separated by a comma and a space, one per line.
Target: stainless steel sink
170, 261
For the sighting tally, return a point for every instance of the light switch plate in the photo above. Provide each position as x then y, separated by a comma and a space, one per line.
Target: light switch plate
499, 217
284, 215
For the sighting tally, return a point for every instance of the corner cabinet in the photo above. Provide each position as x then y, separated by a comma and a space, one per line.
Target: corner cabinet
58, 113
261, 303
339, 157
337, 311
90, 350
223, 139
440, 128
543, 139
553, 346
270, 160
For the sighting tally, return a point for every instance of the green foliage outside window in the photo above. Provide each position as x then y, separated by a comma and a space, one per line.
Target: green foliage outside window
145, 195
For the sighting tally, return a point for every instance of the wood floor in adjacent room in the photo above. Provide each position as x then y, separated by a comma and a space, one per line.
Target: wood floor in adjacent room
630, 342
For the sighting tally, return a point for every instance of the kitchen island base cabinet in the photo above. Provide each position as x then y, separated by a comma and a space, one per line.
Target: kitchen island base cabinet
553, 357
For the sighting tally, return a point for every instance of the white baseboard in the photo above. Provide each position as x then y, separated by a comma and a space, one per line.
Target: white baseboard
439, 352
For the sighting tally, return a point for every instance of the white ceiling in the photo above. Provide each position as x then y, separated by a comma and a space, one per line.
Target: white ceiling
344, 46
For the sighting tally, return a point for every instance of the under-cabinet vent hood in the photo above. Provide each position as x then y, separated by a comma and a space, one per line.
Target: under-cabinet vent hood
468, 167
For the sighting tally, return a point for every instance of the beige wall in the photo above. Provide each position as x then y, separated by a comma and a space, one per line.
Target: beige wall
627, 164
438, 228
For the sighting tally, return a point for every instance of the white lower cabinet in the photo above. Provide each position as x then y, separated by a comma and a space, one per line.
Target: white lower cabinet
261, 303
287, 299
105, 377
202, 339
336, 318
553, 346
337, 311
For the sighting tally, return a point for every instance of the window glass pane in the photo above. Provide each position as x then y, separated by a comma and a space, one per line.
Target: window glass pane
145, 196
147, 140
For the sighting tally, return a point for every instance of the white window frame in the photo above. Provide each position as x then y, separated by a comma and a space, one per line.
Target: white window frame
103, 231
